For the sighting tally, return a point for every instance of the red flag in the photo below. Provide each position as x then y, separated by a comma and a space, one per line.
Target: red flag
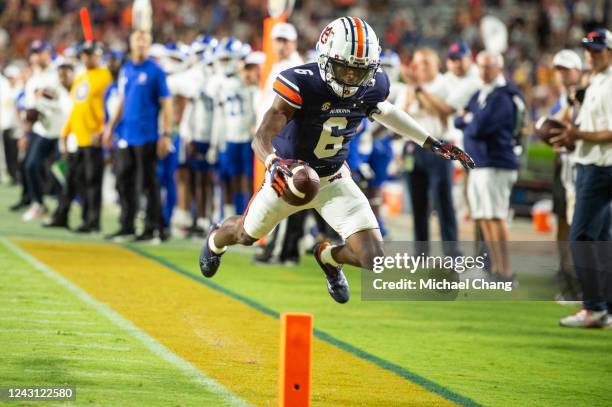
86, 24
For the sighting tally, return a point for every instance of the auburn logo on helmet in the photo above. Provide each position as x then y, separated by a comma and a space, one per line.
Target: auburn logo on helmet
325, 34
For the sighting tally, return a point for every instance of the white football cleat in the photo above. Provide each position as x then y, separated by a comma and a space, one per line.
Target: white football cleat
587, 319
36, 211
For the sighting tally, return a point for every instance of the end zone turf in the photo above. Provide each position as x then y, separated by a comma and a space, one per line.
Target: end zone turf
232, 342
52, 333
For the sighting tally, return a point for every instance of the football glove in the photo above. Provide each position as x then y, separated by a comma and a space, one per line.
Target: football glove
280, 171
452, 152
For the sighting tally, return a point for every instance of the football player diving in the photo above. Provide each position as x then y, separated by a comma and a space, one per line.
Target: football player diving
315, 114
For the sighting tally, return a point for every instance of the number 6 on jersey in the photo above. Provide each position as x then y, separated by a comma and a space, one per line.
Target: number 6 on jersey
329, 144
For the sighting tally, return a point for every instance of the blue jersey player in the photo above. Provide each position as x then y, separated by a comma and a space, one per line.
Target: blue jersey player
316, 112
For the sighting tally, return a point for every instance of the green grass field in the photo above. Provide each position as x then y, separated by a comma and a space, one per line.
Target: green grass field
51, 337
472, 353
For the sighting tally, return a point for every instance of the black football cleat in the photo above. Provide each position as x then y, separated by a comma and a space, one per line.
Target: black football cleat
22, 204
84, 229
120, 235
56, 223
209, 260
146, 236
337, 284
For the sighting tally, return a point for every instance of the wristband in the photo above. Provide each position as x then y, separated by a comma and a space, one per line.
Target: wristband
269, 160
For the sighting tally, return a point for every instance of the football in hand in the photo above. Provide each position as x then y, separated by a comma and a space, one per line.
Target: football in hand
544, 126
303, 186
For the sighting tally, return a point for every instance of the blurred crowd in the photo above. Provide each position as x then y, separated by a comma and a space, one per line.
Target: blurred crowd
173, 112
533, 29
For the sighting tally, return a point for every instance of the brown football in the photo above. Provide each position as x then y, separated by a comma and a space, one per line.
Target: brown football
544, 126
302, 186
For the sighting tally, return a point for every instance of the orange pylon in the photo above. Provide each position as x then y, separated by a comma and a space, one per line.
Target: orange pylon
295, 360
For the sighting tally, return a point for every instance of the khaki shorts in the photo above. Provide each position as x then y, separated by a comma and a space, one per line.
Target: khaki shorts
489, 192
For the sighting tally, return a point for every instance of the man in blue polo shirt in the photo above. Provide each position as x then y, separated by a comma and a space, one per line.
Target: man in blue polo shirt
143, 95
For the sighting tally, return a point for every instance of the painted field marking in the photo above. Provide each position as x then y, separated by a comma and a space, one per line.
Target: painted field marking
48, 321
41, 311
54, 332
158, 349
32, 301
400, 371
233, 341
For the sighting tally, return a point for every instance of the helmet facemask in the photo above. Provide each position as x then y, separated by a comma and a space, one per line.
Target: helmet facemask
348, 55
345, 79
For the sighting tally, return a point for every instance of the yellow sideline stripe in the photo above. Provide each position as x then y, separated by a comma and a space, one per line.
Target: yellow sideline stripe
230, 341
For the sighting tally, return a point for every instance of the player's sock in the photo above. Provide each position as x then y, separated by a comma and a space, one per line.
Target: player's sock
327, 258
213, 248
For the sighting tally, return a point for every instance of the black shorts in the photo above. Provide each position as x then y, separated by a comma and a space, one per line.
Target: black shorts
559, 195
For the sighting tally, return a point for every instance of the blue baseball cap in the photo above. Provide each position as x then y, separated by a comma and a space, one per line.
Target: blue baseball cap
40, 46
114, 54
598, 40
458, 49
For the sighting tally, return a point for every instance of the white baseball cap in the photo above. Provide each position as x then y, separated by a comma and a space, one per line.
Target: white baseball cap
566, 58
255, 58
284, 30
12, 71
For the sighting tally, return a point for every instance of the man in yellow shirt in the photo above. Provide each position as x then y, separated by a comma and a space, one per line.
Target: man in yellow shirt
86, 124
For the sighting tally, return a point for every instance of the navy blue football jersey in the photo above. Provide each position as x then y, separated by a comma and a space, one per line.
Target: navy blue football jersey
324, 124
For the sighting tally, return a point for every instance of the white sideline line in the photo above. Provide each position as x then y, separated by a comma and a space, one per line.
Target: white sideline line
150, 343
41, 311
55, 332
48, 321
32, 289
33, 301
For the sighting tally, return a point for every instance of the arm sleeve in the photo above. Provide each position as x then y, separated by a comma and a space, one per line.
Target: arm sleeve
400, 122
287, 87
